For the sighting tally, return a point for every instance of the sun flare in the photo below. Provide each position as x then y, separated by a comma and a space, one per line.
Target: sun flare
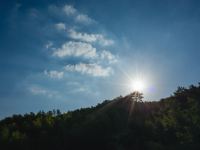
138, 85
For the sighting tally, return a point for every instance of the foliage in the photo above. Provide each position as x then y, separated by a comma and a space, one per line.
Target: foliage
123, 123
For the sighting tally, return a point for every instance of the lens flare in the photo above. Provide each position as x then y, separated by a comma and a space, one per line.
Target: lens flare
138, 85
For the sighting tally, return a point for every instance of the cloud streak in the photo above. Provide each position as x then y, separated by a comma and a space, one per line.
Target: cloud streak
79, 17
76, 49
54, 74
89, 69
85, 37
106, 55
60, 26
40, 91
69, 10
83, 18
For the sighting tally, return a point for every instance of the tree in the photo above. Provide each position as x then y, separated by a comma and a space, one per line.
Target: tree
4, 133
180, 90
136, 96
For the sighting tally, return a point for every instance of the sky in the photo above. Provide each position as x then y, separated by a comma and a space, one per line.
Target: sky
60, 54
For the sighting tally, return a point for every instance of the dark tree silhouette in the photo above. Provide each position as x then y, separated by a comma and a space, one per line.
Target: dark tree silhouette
170, 124
135, 96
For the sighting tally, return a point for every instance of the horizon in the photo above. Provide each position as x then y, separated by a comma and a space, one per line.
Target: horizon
72, 54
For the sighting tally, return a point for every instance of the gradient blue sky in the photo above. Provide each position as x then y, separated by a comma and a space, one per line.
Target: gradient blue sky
71, 54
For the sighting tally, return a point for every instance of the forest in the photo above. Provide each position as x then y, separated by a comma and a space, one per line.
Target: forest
124, 123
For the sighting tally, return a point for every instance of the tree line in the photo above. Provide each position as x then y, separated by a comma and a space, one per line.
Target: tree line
123, 123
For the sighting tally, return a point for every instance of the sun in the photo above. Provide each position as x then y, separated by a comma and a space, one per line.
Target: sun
138, 85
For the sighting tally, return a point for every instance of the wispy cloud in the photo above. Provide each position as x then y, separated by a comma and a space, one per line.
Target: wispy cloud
79, 17
49, 45
69, 10
90, 69
60, 26
83, 18
78, 90
76, 87
85, 37
106, 55
54, 74
76, 49
40, 91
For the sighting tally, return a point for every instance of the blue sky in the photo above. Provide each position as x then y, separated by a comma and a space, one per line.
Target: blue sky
71, 54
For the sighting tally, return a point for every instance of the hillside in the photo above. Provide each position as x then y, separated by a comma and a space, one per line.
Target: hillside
119, 124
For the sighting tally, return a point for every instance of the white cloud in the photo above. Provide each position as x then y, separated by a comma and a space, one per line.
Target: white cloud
90, 69
76, 87
76, 49
78, 90
85, 50
49, 45
54, 74
83, 18
69, 10
106, 55
83, 46
90, 37
60, 26
37, 90
105, 42
82, 36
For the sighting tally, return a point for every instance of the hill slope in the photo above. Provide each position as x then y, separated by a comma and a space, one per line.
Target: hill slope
122, 123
